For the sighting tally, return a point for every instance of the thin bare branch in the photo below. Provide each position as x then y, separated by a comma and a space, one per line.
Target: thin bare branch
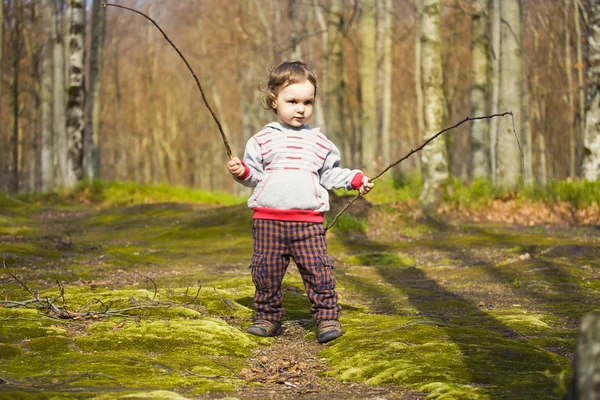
228, 149
413, 151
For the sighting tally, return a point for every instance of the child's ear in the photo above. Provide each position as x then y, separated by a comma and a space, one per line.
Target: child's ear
273, 99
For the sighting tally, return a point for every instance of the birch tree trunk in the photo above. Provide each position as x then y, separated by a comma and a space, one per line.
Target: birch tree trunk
122, 160
13, 183
434, 160
580, 81
480, 129
1, 47
30, 153
418, 81
58, 98
591, 133
384, 45
570, 94
294, 9
508, 163
367, 65
76, 92
46, 132
586, 360
335, 77
495, 84
92, 123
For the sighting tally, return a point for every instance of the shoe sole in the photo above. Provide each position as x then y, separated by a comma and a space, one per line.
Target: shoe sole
262, 332
329, 336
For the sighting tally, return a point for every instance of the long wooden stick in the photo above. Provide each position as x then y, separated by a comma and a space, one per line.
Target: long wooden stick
413, 151
189, 67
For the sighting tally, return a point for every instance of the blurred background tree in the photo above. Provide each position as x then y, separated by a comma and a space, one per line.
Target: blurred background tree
136, 114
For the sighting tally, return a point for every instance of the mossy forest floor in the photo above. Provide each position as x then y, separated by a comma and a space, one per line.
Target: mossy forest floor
434, 307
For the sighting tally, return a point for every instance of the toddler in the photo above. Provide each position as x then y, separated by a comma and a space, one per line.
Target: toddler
291, 166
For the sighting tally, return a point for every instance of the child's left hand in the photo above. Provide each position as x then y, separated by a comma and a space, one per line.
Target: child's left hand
366, 185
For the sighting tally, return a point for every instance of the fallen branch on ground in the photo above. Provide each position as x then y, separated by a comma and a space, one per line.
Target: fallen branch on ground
52, 310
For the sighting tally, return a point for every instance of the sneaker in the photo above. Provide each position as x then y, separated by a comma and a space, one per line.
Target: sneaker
262, 327
329, 330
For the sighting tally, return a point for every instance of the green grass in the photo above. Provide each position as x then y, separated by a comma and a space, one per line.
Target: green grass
391, 187
577, 193
129, 193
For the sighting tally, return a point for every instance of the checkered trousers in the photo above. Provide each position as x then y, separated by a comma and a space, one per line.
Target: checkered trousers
275, 242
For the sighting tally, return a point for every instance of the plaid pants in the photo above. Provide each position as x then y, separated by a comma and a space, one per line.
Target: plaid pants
274, 243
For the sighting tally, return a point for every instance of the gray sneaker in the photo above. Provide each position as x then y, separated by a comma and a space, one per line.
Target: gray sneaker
262, 327
329, 330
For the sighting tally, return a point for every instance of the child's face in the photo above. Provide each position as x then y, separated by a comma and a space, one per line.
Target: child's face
294, 104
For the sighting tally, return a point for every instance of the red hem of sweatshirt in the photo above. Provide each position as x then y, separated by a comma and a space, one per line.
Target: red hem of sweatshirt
357, 180
288, 215
246, 171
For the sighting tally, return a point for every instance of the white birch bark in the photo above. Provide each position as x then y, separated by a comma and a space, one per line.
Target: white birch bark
508, 162
480, 63
591, 133
434, 160
76, 92
59, 92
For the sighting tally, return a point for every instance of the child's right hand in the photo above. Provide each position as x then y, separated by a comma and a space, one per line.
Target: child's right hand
235, 167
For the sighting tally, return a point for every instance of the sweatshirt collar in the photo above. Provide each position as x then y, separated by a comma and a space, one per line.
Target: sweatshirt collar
282, 127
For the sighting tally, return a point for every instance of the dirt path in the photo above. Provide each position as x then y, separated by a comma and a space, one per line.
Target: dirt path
291, 369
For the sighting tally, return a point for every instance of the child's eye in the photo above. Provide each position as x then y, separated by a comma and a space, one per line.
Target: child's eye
292, 101
308, 103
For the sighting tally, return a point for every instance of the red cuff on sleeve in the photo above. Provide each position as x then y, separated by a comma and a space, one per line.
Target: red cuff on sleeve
246, 171
357, 180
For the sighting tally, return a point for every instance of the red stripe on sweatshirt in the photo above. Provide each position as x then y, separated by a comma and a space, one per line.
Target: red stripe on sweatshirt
294, 147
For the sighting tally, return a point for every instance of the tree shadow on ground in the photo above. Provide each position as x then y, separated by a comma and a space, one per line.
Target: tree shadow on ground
506, 355
543, 274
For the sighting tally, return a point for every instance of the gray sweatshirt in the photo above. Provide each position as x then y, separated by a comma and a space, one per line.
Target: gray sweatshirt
291, 170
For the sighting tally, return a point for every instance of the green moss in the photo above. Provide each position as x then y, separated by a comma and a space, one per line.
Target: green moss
137, 355
49, 345
381, 259
21, 324
434, 313
156, 394
521, 321
440, 359
348, 223
8, 351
